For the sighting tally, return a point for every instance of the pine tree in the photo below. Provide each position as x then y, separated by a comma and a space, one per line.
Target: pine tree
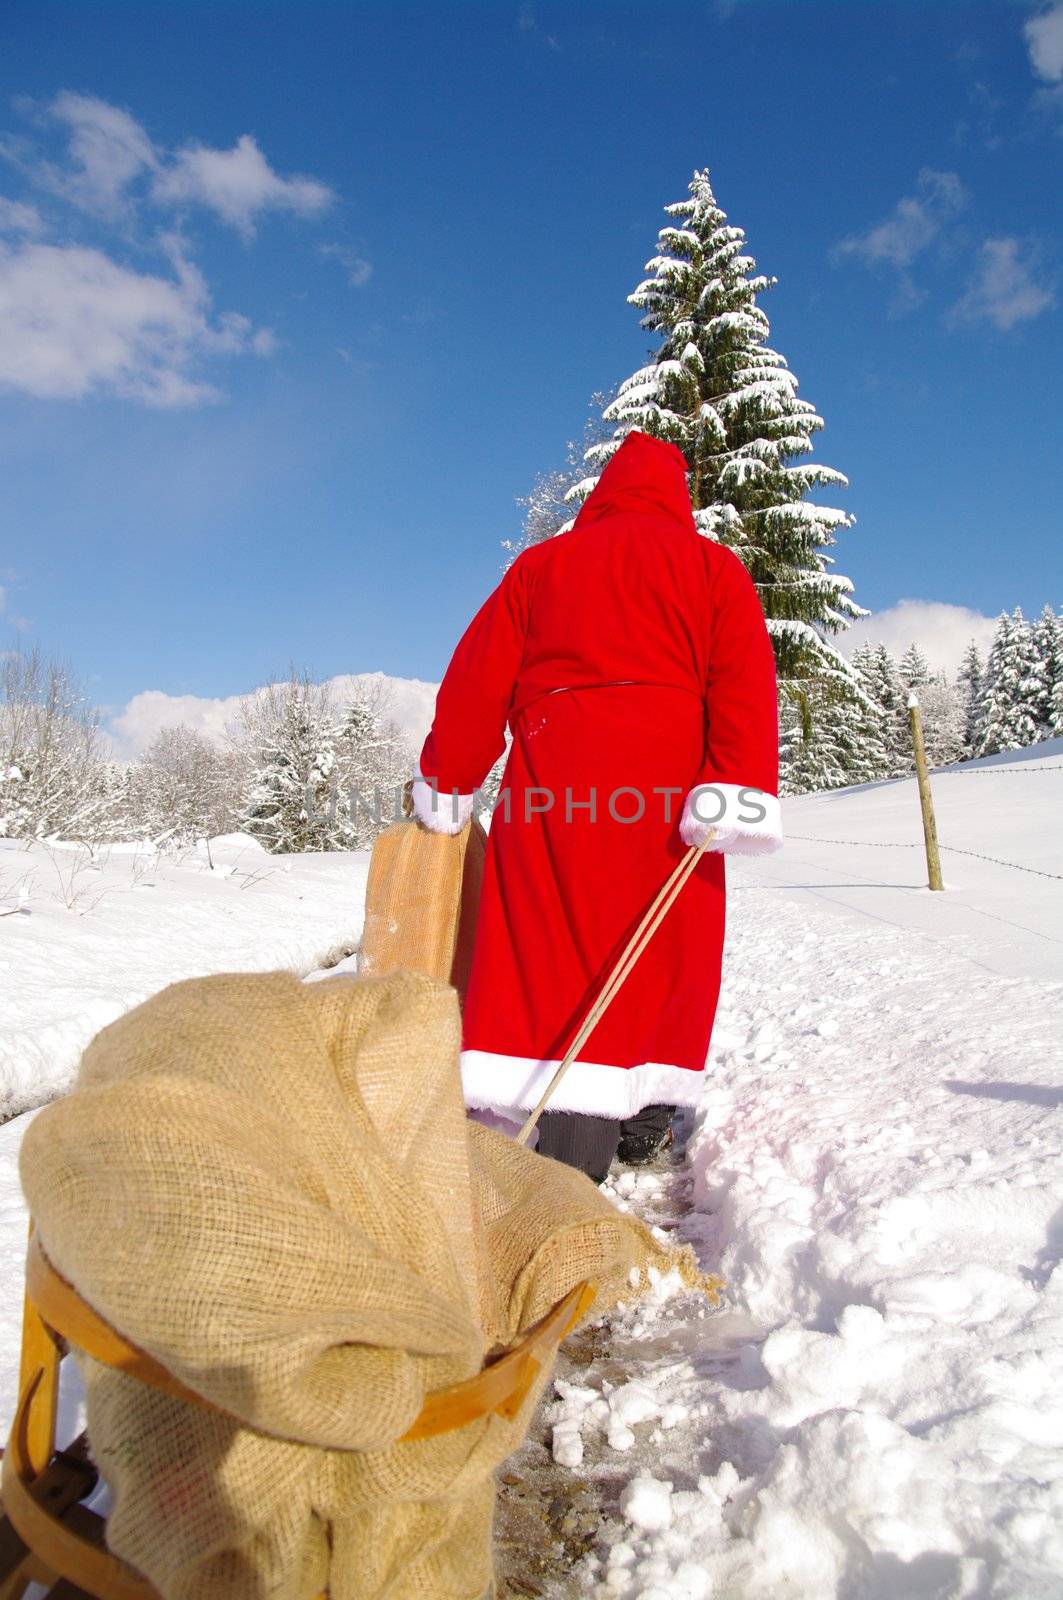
914, 667
969, 681
372, 763
717, 390
1055, 696
289, 806
1048, 648
885, 688
877, 723
1013, 689
839, 753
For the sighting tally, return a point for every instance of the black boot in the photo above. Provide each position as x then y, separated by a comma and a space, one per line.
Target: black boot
644, 1136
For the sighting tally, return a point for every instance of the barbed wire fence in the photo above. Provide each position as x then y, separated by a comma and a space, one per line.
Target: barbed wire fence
1010, 771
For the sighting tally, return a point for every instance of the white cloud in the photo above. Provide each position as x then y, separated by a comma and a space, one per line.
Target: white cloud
18, 217
1003, 289
73, 319
915, 222
108, 149
357, 268
1044, 40
112, 164
237, 185
75, 322
942, 631
410, 703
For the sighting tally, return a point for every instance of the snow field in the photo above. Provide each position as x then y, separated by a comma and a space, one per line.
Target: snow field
875, 1168
89, 938
876, 1411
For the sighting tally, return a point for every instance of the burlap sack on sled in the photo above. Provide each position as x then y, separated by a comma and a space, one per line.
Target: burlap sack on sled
272, 1188
421, 900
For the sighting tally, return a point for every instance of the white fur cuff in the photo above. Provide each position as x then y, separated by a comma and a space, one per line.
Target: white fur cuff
740, 819
439, 810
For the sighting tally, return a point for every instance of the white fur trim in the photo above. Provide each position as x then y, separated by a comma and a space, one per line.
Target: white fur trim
723, 809
512, 1084
439, 810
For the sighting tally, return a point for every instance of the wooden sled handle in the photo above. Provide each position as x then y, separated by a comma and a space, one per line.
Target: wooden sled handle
499, 1387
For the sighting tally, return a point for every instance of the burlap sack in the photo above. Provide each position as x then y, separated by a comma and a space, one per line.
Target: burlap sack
421, 900
272, 1188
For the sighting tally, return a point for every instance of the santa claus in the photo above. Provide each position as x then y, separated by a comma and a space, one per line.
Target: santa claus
630, 658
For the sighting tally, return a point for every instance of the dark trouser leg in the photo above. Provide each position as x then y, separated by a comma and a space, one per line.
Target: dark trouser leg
588, 1143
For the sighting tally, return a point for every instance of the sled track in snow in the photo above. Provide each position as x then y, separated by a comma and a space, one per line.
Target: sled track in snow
551, 1517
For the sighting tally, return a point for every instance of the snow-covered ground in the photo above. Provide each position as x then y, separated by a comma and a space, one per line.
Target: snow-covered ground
876, 1413
83, 939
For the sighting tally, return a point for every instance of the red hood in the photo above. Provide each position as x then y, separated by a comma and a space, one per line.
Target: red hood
645, 475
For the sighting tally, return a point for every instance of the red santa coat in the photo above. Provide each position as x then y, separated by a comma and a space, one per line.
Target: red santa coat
630, 659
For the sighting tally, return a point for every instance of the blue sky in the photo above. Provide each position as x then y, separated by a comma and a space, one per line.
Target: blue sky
296, 299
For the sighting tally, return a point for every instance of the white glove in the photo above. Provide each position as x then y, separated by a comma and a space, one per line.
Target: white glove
738, 819
439, 809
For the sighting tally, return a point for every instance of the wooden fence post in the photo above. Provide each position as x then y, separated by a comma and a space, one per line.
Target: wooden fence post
926, 801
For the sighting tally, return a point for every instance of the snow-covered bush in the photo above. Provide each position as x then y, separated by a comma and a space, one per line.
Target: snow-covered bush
320, 777
52, 771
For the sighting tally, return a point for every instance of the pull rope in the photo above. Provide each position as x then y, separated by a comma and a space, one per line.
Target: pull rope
631, 952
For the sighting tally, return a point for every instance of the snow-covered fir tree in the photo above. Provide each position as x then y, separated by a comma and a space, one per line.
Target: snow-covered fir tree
969, 689
289, 804
914, 668
1048, 647
844, 750
372, 764
717, 390
1013, 691
943, 713
886, 688
878, 723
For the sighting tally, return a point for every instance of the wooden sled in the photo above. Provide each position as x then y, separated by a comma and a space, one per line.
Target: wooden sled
49, 1536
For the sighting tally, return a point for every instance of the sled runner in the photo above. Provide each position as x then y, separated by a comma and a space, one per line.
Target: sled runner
49, 1536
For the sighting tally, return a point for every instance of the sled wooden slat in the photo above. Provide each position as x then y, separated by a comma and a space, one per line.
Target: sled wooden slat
48, 1537
62, 1551
66, 1480
39, 1356
62, 1309
502, 1386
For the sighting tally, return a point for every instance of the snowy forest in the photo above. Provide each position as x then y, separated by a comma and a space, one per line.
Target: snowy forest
295, 771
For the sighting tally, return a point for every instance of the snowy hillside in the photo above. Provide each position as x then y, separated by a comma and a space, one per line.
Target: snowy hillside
82, 939
876, 1411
